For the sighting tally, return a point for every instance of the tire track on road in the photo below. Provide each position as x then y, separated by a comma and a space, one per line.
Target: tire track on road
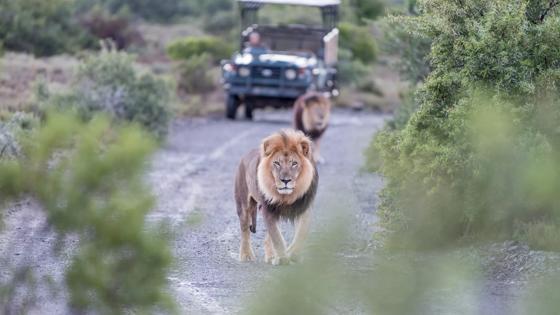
177, 197
177, 179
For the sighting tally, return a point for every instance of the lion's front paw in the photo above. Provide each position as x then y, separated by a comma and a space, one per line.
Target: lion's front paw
268, 258
246, 255
284, 260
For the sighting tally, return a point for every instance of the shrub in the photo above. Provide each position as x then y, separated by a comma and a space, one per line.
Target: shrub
153, 10
189, 47
94, 191
42, 28
451, 177
116, 27
211, 7
195, 75
109, 83
221, 23
411, 49
359, 42
368, 9
350, 71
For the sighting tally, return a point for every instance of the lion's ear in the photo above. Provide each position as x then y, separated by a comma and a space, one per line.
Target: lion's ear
265, 148
306, 147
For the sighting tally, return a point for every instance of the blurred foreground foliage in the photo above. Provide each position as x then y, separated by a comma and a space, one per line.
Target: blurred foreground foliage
337, 276
496, 179
87, 177
480, 158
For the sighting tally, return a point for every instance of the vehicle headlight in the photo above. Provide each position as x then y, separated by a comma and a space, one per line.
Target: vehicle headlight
244, 71
290, 74
228, 67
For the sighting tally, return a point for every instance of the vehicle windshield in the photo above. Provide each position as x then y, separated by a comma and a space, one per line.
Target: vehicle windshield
295, 40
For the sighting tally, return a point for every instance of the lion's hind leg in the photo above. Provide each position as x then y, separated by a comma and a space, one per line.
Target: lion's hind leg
246, 252
317, 153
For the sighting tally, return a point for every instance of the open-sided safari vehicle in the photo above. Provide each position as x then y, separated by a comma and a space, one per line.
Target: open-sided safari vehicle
287, 61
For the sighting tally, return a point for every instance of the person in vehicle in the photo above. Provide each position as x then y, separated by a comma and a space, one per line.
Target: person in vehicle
254, 44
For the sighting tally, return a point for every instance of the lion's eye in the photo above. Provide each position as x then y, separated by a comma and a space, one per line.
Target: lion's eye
276, 163
294, 164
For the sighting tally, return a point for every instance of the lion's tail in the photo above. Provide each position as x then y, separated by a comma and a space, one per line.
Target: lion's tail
253, 226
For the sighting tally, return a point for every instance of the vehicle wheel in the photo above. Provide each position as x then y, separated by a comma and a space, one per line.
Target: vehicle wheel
232, 103
249, 111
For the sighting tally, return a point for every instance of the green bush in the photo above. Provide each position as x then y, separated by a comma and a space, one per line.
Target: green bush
350, 71
88, 179
411, 49
195, 75
359, 41
109, 83
189, 47
117, 27
451, 177
165, 11
221, 23
368, 9
42, 28
153, 10
211, 7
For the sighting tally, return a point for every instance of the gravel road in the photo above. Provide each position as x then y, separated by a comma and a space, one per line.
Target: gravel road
192, 177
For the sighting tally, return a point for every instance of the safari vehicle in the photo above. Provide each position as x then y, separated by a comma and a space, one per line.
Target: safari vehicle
291, 59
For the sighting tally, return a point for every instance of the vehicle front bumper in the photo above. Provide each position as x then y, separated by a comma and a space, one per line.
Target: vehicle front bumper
266, 91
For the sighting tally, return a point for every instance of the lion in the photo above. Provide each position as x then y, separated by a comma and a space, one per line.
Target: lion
280, 180
311, 115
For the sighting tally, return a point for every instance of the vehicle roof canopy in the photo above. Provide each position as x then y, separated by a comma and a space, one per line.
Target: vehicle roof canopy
312, 3
329, 9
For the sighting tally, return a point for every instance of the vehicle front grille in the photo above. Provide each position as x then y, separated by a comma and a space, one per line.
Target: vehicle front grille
260, 72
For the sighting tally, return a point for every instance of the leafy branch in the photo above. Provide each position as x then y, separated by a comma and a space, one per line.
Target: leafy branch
551, 5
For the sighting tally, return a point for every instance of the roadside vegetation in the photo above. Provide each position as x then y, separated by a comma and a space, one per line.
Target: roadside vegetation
478, 159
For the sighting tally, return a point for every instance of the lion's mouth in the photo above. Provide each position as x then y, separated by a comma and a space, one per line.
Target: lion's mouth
285, 190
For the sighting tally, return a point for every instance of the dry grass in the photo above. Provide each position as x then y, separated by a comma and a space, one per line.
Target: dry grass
387, 85
20, 71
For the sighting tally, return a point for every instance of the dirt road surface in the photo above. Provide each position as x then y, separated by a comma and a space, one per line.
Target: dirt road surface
192, 177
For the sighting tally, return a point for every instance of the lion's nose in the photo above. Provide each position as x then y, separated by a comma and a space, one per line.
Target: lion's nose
286, 181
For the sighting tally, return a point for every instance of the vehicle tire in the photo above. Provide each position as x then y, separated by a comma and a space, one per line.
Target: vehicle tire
232, 103
249, 111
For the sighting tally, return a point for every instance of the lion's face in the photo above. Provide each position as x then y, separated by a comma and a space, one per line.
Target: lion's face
286, 167
285, 170
316, 114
